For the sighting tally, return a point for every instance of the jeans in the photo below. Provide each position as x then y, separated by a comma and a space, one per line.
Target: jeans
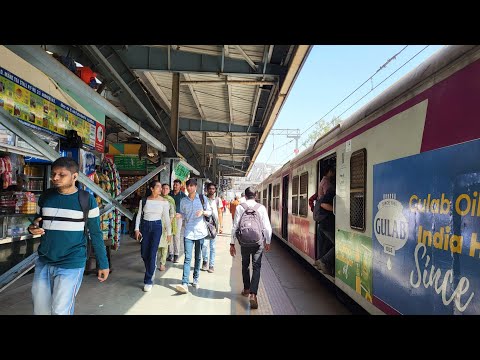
256, 253
206, 244
328, 233
188, 244
152, 232
54, 289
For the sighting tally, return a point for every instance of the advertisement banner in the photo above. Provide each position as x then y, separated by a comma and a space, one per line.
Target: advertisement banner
353, 262
426, 224
130, 162
181, 172
38, 110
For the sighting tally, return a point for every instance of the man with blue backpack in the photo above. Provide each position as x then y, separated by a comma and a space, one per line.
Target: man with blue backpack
251, 228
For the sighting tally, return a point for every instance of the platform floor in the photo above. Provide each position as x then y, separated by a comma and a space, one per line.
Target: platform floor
287, 287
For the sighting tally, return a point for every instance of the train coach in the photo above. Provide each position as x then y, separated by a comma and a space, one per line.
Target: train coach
407, 193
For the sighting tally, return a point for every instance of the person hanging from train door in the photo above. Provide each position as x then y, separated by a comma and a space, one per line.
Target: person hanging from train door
323, 244
326, 227
323, 186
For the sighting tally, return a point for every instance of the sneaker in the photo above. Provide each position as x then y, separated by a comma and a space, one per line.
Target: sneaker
204, 266
211, 269
253, 301
195, 284
175, 259
246, 292
170, 258
147, 287
182, 288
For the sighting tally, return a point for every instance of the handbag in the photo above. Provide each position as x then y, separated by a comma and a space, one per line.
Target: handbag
210, 222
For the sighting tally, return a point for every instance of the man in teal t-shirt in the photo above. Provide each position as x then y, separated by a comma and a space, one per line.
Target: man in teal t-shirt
63, 247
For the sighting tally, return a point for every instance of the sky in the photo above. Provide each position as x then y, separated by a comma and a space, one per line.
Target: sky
330, 73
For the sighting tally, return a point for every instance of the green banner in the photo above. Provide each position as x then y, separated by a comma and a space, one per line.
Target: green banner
181, 172
126, 162
353, 262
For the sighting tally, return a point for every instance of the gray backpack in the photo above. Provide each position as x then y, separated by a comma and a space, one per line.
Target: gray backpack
250, 228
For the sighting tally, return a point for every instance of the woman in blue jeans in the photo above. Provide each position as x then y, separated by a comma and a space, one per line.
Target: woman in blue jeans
155, 212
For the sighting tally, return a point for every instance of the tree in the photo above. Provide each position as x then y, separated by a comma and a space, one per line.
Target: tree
322, 127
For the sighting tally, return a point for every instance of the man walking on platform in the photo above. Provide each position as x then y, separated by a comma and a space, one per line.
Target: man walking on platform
193, 212
62, 253
251, 228
174, 247
217, 205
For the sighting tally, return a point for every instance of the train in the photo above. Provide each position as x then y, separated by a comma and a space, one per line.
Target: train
407, 193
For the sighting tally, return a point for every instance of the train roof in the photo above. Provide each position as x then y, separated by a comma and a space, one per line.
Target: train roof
413, 78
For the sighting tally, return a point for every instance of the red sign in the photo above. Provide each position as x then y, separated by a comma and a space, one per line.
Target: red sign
100, 138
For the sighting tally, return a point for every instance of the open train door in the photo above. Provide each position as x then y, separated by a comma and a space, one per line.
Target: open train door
323, 245
285, 207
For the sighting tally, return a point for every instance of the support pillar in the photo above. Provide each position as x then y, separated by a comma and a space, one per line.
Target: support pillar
174, 112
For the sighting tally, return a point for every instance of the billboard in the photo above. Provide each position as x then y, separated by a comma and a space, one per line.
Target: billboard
426, 248
38, 110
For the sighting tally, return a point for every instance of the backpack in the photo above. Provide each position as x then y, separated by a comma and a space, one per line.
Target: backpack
250, 228
134, 219
84, 199
209, 221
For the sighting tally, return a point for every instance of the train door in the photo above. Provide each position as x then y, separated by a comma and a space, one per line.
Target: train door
322, 245
270, 201
285, 207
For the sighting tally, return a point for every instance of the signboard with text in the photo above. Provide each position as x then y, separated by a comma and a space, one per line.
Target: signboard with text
129, 162
426, 224
38, 110
181, 172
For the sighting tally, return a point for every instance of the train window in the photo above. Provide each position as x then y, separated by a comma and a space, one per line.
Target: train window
295, 181
303, 200
265, 197
276, 196
358, 183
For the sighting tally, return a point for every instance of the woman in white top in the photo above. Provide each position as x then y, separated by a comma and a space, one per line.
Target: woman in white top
155, 214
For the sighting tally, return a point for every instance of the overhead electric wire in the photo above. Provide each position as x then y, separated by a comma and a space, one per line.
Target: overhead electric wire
381, 67
341, 102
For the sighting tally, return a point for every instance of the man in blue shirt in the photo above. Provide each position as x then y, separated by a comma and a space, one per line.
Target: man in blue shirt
174, 247
63, 252
193, 213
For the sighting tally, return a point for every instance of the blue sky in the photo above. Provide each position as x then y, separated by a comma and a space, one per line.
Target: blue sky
330, 73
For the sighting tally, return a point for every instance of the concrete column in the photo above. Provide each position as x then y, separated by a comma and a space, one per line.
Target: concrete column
175, 108
214, 172
204, 151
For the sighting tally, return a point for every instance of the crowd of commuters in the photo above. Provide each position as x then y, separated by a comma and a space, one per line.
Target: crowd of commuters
165, 217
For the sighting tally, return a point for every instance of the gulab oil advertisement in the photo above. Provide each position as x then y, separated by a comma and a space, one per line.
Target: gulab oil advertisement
426, 225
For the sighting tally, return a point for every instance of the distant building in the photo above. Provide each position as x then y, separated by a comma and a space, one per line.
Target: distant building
256, 175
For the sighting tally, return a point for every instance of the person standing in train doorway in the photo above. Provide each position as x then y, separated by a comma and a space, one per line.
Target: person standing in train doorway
193, 212
217, 206
323, 244
326, 182
251, 228
326, 227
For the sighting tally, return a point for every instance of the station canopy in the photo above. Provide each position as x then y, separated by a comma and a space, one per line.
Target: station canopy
229, 95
